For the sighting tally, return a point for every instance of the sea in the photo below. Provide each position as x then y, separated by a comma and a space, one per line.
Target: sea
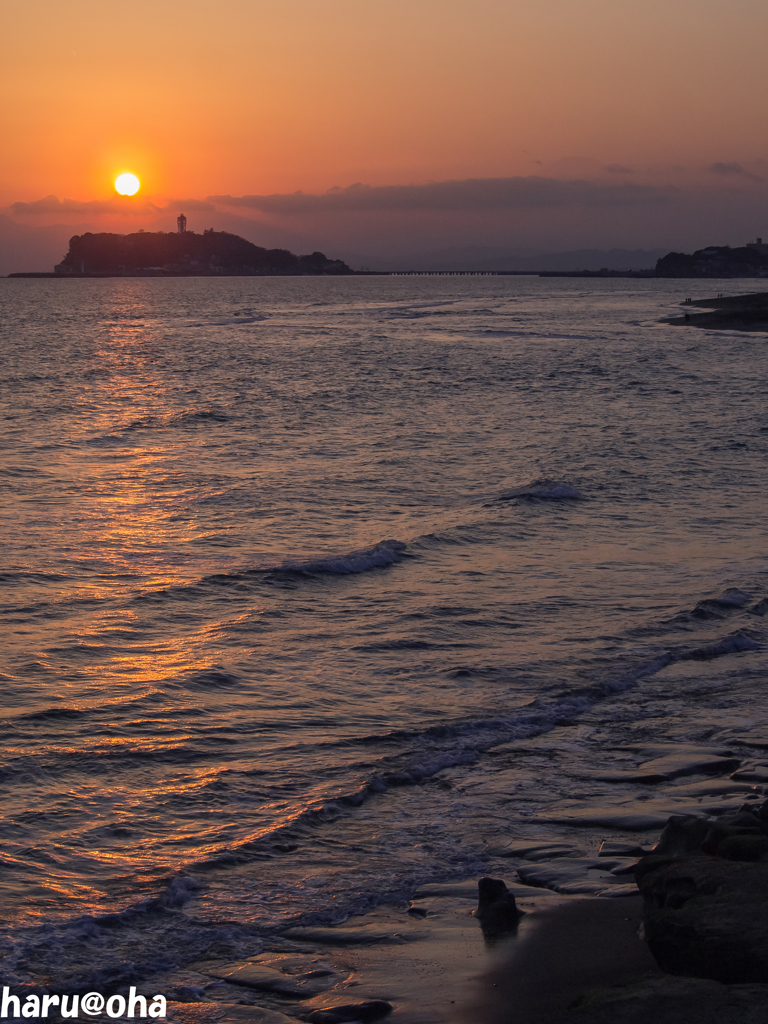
318, 590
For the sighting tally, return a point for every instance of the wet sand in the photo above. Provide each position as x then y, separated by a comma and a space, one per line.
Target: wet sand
562, 955
439, 969
574, 960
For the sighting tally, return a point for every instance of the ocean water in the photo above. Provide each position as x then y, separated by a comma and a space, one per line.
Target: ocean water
316, 590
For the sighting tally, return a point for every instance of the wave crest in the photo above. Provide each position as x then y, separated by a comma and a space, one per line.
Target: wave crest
548, 490
384, 553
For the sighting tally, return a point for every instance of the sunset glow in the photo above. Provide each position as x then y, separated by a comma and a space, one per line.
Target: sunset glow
267, 105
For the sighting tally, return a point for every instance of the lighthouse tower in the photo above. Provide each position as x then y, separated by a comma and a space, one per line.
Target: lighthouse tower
181, 223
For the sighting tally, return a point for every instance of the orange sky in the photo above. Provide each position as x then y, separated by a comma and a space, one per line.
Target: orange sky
256, 97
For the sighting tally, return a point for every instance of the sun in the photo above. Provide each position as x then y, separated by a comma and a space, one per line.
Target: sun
127, 184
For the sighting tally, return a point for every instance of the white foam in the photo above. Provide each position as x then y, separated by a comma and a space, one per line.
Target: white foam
732, 644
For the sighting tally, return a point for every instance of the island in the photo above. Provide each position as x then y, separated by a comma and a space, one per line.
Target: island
184, 254
213, 253
719, 261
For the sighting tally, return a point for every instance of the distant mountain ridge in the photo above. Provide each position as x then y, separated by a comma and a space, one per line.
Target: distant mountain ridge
185, 254
487, 258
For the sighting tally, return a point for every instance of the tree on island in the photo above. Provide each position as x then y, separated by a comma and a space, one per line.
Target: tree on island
717, 261
185, 254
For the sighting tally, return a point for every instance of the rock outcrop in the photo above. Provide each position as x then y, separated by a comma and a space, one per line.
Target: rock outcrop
706, 917
186, 254
705, 893
496, 908
669, 1000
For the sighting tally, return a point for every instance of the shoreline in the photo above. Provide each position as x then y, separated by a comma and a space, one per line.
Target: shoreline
428, 958
578, 934
429, 962
354, 273
573, 959
728, 313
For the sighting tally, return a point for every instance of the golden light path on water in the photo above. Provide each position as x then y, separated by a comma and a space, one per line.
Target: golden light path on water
207, 647
133, 511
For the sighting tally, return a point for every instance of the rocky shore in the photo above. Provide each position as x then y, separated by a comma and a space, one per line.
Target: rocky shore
554, 936
702, 911
527, 954
731, 313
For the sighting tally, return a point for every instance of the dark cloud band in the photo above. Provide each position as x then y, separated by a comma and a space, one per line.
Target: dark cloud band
129, 205
469, 194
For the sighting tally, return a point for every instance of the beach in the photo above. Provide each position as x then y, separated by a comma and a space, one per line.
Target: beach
579, 931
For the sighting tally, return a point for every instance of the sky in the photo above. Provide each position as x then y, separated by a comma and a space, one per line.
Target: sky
375, 131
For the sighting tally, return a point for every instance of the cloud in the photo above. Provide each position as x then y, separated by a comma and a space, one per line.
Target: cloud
470, 194
733, 169
183, 205
121, 206
52, 205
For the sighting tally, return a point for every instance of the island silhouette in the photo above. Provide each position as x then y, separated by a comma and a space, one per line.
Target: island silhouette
185, 254
750, 260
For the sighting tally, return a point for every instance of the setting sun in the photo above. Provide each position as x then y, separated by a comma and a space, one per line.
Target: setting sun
127, 184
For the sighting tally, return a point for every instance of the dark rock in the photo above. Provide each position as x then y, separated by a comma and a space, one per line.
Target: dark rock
417, 911
751, 808
746, 817
728, 826
496, 908
746, 847
372, 1009
705, 917
683, 834
668, 1000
